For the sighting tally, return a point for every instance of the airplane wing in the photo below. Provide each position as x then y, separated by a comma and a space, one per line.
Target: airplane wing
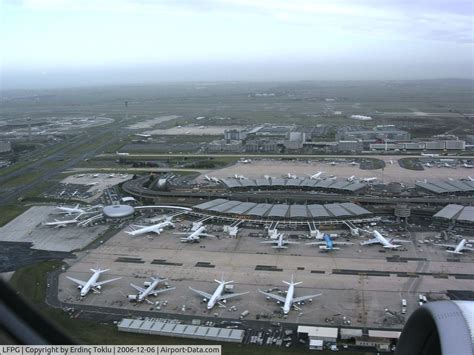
271, 295
289, 242
304, 298
155, 292
79, 282
207, 235
106, 282
370, 241
202, 293
269, 242
342, 243
316, 243
138, 288
230, 295
400, 241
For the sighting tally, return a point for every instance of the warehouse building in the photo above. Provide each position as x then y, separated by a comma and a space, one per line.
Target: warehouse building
158, 327
317, 336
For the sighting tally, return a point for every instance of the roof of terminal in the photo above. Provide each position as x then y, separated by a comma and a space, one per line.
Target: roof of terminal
450, 186
346, 209
332, 184
456, 212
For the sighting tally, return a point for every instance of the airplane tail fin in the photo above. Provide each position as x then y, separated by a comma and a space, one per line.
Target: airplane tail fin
99, 270
292, 282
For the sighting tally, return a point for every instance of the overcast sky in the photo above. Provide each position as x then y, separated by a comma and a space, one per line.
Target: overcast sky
76, 42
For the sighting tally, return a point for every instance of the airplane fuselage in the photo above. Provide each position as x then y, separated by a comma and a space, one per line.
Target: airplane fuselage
148, 291
289, 299
87, 287
215, 296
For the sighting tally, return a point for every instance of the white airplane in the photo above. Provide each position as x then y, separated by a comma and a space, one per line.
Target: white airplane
351, 178
328, 243
289, 301
92, 284
150, 290
143, 135
457, 249
380, 239
239, 177
316, 176
429, 155
61, 224
353, 163
92, 184
156, 228
245, 161
369, 179
217, 296
70, 210
428, 165
291, 176
333, 163
280, 242
469, 166
470, 178
195, 236
211, 178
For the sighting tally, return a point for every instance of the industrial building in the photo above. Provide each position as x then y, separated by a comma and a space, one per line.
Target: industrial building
157, 327
381, 133
422, 146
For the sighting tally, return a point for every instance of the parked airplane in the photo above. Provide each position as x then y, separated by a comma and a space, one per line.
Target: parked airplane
470, 178
333, 163
316, 176
457, 249
92, 284
280, 242
428, 165
61, 224
245, 161
380, 239
211, 179
291, 176
150, 290
143, 135
239, 177
429, 155
466, 165
217, 296
353, 163
328, 243
156, 228
351, 178
70, 210
289, 301
195, 236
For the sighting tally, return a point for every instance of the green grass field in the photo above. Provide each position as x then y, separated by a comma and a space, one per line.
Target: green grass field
9, 212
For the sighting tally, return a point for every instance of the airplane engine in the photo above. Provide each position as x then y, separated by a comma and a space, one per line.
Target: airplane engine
147, 283
79, 287
98, 287
224, 301
132, 298
204, 300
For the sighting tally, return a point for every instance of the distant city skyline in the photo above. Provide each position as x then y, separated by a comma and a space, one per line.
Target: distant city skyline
49, 43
